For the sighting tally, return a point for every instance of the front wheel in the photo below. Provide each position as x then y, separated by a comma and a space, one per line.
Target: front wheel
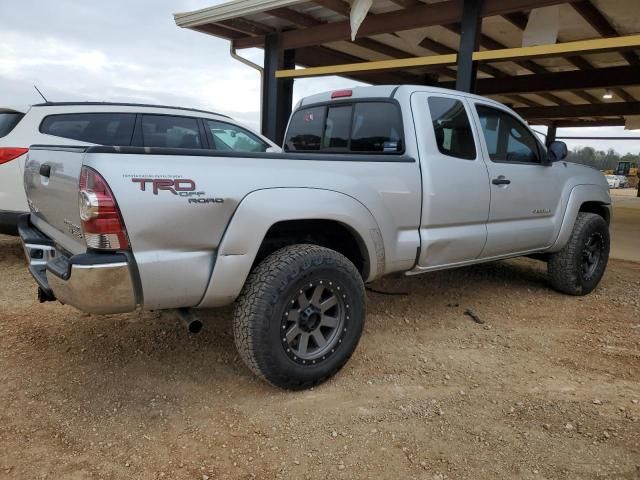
300, 316
579, 266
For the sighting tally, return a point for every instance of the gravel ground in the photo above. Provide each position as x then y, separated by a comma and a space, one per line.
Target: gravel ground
547, 387
625, 230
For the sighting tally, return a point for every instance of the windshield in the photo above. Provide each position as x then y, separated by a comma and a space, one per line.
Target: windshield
8, 120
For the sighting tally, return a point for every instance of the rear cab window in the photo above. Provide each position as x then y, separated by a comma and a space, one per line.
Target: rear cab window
8, 121
337, 128
306, 129
100, 128
368, 127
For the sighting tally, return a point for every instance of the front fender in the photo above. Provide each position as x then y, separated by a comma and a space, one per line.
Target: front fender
579, 195
261, 209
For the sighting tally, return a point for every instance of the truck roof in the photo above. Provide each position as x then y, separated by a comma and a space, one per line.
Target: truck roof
388, 91
392, 91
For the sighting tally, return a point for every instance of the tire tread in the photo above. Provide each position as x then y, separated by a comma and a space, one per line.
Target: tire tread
561, 266
259, 298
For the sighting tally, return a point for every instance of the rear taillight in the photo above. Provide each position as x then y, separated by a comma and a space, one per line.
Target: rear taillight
11, 153
102, 223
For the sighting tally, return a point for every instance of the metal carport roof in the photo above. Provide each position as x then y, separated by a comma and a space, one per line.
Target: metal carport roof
565, 88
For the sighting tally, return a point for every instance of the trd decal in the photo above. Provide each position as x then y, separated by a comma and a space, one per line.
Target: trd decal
206, 200
183, 187
179, 186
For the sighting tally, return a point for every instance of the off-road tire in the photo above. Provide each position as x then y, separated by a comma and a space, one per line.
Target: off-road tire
565, 268
267, 297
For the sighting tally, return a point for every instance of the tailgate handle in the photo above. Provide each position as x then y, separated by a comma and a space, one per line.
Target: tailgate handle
45, 170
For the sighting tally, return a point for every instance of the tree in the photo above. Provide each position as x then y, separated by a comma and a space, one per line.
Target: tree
585, 156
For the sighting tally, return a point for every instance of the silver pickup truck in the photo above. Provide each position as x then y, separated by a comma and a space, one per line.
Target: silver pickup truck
372, 181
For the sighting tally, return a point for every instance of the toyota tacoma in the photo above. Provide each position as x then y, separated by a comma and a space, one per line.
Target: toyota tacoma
371, 181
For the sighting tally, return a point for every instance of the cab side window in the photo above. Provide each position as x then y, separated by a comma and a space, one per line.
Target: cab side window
508, 139
232, 138
452, 128
100, 128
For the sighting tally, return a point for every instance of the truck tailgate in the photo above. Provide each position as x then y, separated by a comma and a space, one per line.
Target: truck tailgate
51, 181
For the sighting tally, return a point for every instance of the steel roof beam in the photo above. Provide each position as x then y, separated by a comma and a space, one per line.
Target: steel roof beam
491, 44
558, 81
572, 111
306, 20
507, 54
405, 19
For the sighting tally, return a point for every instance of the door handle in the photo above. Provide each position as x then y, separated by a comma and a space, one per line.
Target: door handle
501, 181
45, 170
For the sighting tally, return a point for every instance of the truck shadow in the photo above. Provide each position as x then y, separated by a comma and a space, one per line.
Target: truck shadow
99, 361
131, 358
518, 273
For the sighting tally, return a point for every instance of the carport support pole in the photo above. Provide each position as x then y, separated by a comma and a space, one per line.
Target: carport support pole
469, 41
551, 133
277, 93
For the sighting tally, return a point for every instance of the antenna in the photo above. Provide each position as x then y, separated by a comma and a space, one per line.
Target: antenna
38, 90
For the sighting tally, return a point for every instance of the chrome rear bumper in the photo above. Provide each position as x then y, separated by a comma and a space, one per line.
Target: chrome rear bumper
98, 283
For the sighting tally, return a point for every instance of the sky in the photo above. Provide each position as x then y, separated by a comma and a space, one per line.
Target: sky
131, 50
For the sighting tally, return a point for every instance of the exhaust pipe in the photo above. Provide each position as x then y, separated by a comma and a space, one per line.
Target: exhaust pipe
190, 319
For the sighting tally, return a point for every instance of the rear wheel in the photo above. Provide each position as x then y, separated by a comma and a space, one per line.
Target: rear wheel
300, 316
579, 266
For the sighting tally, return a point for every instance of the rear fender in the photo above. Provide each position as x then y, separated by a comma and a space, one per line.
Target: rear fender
259, 210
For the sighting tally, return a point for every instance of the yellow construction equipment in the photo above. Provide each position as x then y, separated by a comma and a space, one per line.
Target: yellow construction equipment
629, 170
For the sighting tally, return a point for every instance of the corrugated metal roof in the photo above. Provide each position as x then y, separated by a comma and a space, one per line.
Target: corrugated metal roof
245, 22
229, 10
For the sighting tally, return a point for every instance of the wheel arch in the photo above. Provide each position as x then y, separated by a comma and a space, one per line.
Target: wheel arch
332, 234
598, 208
583, 198
264, 215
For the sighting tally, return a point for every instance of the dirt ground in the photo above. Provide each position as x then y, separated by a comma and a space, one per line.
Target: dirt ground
547, 387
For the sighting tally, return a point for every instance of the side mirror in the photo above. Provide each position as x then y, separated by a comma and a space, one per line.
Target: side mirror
557, 151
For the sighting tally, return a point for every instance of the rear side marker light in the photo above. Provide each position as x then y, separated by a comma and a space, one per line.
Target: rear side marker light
11, 153
100, 217
341, 93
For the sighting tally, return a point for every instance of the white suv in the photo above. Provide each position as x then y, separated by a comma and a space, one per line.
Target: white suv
119, 124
